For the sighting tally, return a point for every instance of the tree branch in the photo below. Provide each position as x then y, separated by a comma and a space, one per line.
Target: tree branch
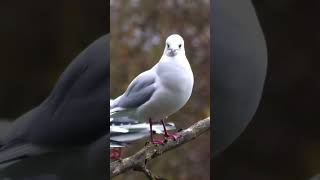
150, 151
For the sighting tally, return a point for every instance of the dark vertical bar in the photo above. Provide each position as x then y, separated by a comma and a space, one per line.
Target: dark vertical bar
108, 14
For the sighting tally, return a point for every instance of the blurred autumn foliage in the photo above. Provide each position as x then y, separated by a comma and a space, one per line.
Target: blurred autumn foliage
139, 29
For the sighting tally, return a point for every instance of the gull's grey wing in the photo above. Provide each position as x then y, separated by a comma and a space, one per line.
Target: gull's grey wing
139, 91
239, 64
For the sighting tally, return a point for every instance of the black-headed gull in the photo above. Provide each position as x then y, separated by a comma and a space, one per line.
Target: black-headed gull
160, 91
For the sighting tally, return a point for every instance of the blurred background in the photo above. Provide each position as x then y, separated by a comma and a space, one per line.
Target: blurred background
283, 140
38, 40
139, 29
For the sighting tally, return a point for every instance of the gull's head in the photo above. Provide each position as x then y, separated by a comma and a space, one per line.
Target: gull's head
174, 45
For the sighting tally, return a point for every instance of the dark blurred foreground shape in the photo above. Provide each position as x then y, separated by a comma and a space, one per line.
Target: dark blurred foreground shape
282, 141
38, 41
239, 65
66, 135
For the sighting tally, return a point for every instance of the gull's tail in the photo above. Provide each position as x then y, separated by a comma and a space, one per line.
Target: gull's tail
125, 130
118, 112
117, 144
114, 111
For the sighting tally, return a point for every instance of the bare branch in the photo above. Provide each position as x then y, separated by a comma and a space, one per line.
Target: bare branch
150, 151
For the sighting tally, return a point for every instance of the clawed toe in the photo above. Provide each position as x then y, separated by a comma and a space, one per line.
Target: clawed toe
172, 136
158, 141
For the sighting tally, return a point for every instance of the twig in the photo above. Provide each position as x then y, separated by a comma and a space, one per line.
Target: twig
148, 173
138, 161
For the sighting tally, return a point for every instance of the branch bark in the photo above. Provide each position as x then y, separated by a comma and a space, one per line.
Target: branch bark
150, 151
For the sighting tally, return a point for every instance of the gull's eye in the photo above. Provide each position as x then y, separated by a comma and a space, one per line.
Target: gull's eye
168, 45
179, 45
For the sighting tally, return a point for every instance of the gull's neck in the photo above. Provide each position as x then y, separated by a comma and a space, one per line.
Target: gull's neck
178, 59
168, 63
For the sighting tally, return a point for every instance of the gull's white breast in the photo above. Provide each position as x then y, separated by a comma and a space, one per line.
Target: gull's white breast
174, 85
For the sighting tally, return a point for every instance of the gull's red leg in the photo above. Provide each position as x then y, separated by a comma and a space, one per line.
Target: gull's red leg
115, 153
166, 134
153, 141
